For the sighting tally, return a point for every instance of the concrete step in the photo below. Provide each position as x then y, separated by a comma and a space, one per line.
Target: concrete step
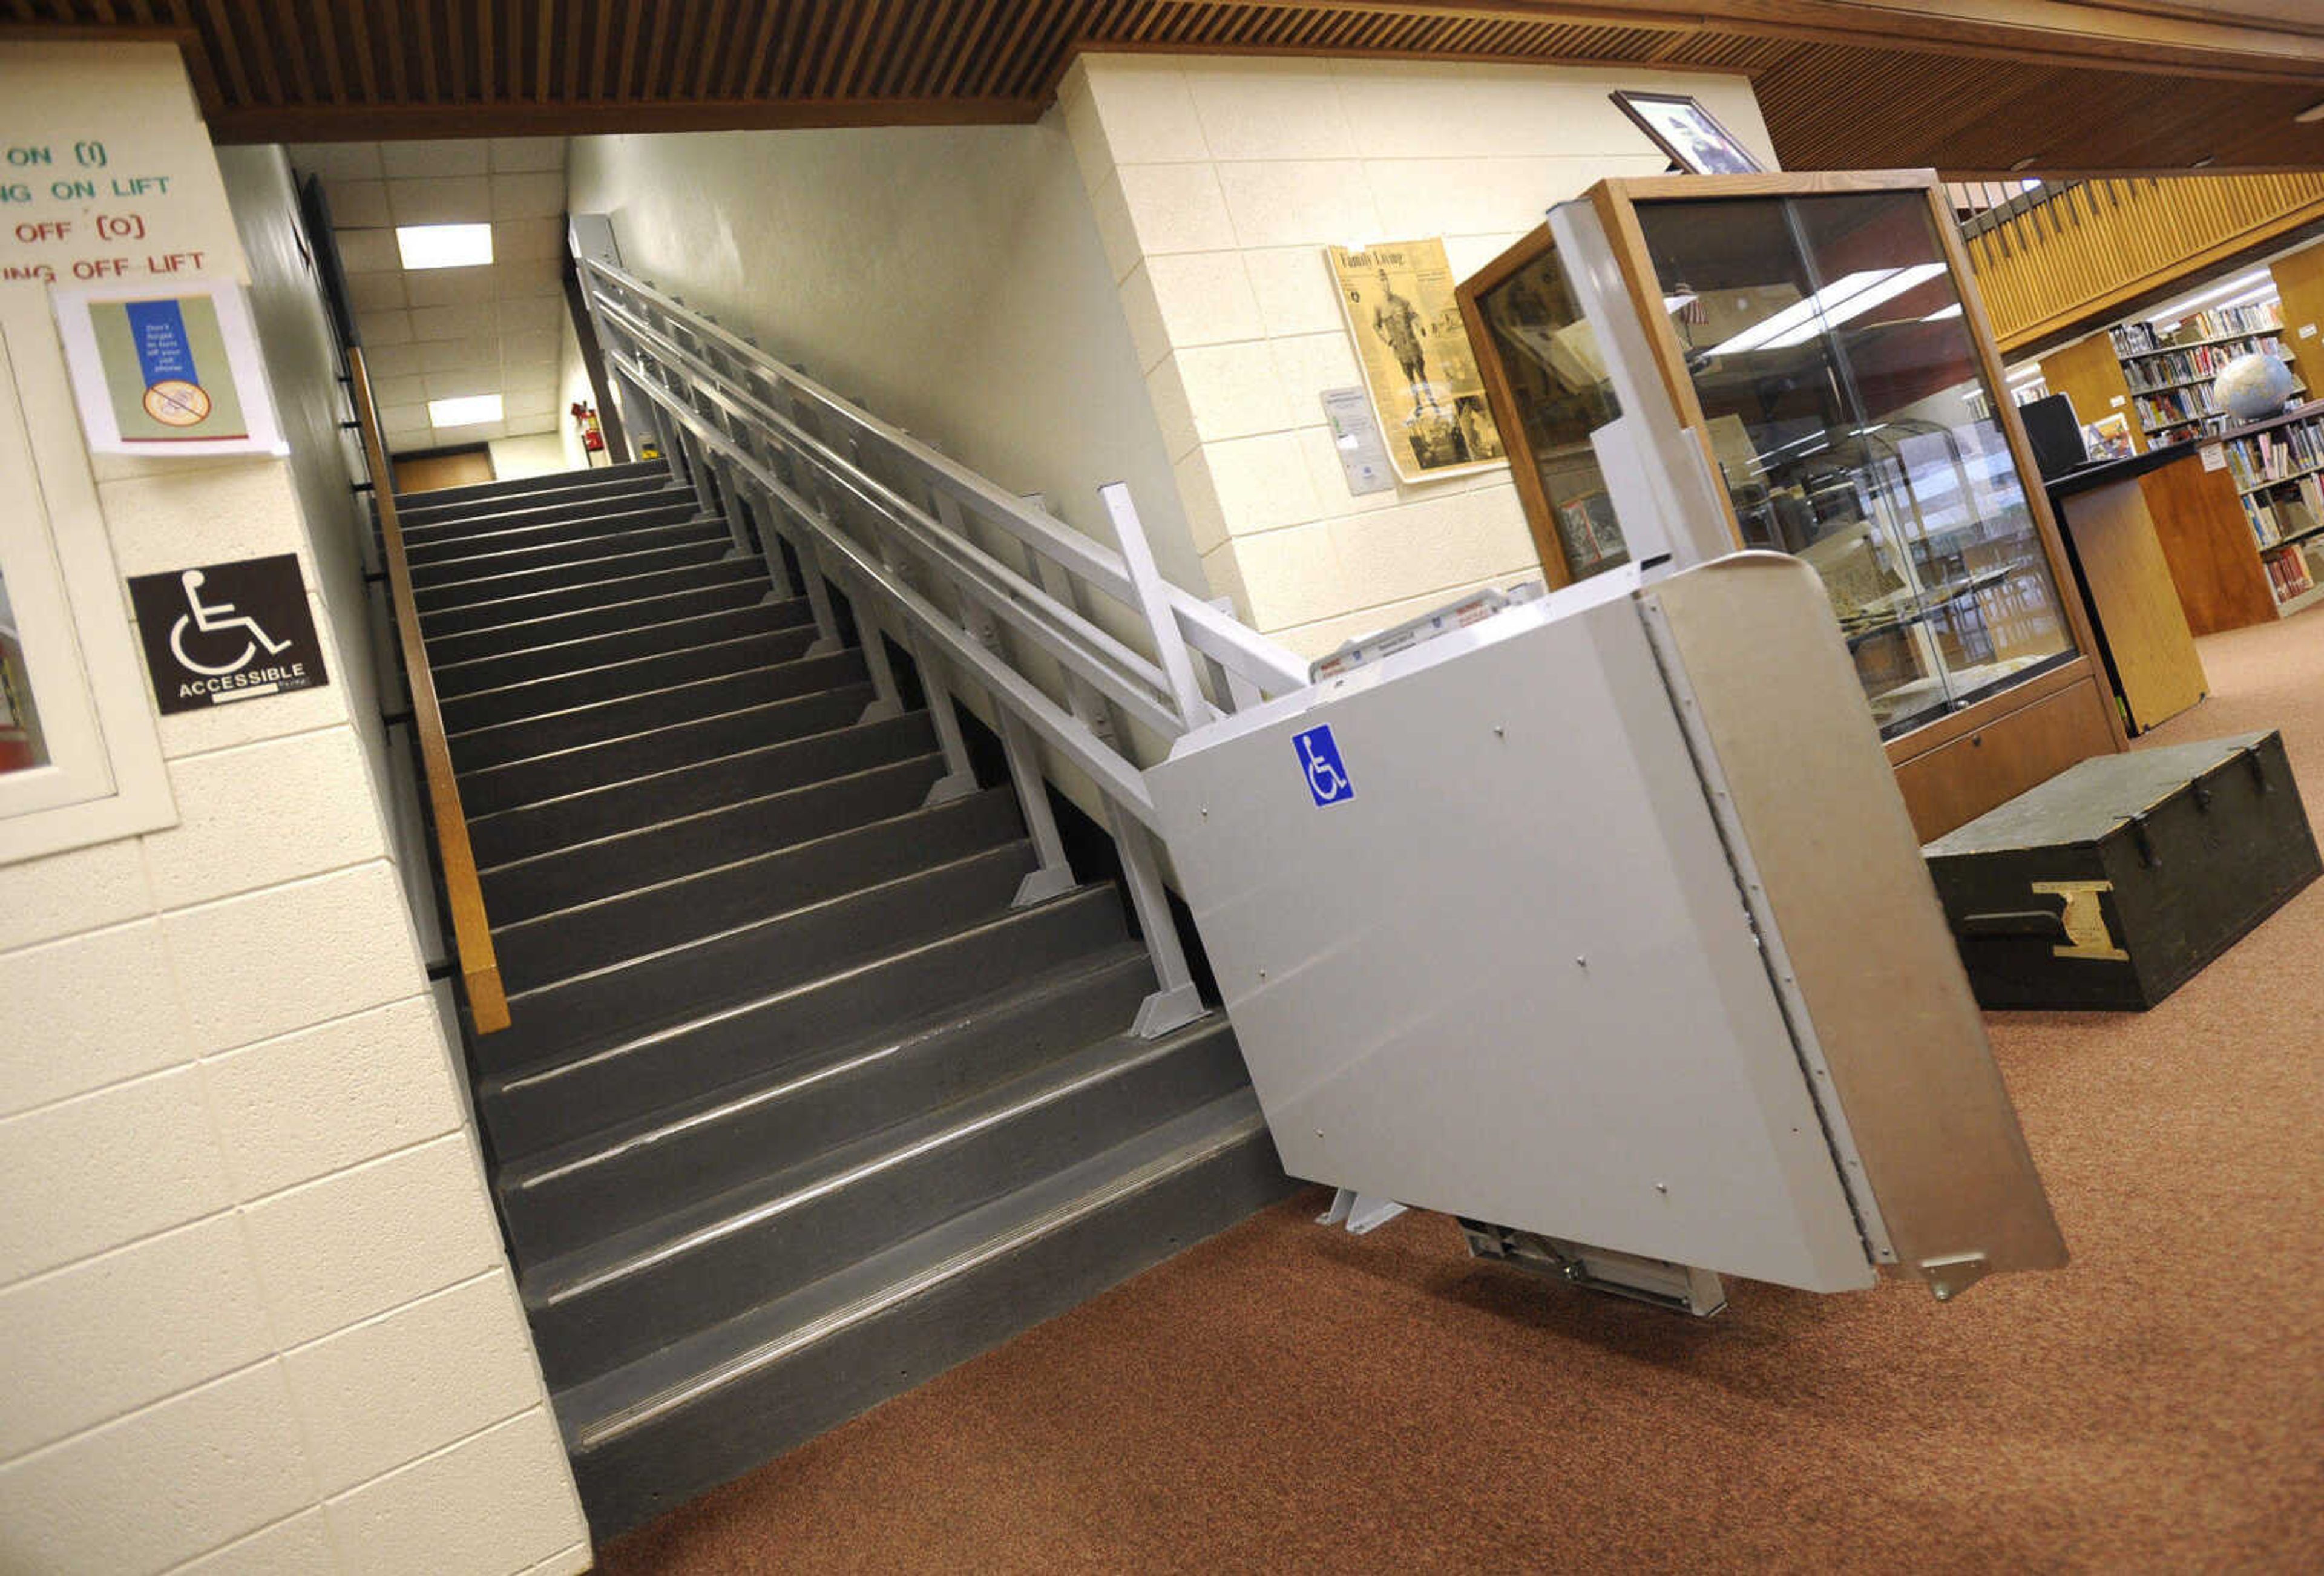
456, 641
652, 1435
530, 1109
582, 1013
556, 657
667, 850
561, 1200
617, 559
638, 1291
561, 774
756, 879
617, 594
623, 706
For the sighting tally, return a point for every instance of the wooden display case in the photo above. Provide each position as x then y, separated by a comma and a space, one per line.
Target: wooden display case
1820, 339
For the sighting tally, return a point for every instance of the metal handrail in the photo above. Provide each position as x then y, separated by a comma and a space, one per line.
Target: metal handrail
1216, 635
892, 522
472, 935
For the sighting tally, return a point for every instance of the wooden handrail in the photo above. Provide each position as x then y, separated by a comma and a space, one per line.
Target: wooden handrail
472, 935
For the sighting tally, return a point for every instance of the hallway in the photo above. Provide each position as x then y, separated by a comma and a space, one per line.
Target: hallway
1288, 1397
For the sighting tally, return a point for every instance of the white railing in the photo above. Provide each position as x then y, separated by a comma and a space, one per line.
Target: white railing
979, 586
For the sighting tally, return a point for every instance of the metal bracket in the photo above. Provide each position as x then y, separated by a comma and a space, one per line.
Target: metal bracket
955, 784
1043, 885
1948, 1277
1683, 1288
1362, 1212
1164, 1010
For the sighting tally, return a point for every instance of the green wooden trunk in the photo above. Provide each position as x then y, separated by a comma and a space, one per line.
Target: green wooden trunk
2112, 883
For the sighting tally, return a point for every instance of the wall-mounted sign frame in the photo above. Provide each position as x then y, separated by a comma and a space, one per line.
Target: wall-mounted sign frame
1682, 128
171, 369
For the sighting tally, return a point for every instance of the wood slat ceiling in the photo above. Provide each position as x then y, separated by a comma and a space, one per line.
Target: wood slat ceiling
1843, 85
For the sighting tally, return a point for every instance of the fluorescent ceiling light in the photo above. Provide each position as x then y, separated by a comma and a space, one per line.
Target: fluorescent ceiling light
1849, 296
444, 246
464, 411
2026, 374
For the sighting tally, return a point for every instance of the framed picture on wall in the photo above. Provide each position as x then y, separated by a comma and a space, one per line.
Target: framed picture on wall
1685, 131
1419, 368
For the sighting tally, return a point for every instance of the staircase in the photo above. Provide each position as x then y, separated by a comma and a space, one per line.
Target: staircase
794, 1109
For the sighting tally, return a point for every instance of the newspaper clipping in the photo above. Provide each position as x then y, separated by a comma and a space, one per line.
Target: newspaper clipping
1418, 366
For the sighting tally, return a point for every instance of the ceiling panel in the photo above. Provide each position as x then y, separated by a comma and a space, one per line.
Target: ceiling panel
1970, 88
438, 333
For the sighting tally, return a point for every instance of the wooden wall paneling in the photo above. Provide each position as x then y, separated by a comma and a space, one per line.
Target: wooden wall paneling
2206, 539
2088, 373
2299, 280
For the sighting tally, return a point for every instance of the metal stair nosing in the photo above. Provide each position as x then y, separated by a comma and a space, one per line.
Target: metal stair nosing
443, 498
556, 1201
586, 515
754, 880
729, 590
559, 1097
432, 570
520, 699
681, 845
526, 606
634, 1291
649, 1435
626, 560
555, 658
580, 814
607, 719
607, 1004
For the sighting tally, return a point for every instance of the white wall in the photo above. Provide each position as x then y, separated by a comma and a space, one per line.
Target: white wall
537, 454
1217, 182
253, 1308
951, 280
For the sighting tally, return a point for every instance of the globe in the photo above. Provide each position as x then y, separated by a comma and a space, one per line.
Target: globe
2252, 388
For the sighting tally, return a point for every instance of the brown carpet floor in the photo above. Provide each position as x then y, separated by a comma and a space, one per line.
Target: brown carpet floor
1289, 1398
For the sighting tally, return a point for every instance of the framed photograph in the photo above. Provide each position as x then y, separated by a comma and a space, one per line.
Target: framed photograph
1685, 131
1419, 368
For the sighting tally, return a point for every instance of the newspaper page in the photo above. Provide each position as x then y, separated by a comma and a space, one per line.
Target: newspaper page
1418, 366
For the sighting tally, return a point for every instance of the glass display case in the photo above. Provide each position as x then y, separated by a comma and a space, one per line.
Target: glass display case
1817, 337
1847, 417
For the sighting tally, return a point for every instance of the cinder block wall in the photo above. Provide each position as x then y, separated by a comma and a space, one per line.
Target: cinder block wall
255, 1312
1217, 183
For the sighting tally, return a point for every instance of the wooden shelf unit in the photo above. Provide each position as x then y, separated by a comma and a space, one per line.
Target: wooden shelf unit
2241, 442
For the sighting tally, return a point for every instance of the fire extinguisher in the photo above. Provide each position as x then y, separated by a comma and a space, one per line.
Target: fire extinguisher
593, 435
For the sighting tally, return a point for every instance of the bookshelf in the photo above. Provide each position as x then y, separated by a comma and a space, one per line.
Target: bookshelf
2168, 377
2278, 469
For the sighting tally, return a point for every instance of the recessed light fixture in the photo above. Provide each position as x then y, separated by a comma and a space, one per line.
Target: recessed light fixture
464, 411
444, 246
2311, 114
2025, 163
2205, 163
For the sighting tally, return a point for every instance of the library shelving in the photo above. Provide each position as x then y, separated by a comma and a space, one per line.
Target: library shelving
2278, 468
2169, 376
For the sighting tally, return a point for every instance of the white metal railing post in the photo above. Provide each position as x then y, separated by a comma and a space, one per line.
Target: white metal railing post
959, 779
1175, 999
1054, 875
1153, 601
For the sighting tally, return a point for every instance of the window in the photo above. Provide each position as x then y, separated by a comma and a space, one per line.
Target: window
79, 760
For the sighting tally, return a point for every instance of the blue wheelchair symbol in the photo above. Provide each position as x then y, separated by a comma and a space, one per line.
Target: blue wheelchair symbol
1319, 758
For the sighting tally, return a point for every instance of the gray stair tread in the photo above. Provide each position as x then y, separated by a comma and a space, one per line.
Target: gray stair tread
680, 633
1000, 853
613, 671
515, 604
700, 1227
594, 1410
578, 712
671, 1122
436, 498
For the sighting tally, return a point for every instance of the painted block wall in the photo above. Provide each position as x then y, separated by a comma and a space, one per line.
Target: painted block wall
254, 1313
950, 279
1218, 181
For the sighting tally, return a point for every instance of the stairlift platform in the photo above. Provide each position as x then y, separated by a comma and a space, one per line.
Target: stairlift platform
1598, 923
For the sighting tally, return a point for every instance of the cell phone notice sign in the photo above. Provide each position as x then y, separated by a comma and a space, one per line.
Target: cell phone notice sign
226, 633
169, 371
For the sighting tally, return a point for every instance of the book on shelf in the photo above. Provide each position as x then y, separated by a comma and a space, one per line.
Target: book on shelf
2261, 515
2288, 573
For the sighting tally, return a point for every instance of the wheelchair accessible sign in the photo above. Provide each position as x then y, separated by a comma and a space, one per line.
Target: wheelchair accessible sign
226, 633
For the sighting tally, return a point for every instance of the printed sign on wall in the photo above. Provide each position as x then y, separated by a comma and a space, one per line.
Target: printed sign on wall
170, 371
228, 632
